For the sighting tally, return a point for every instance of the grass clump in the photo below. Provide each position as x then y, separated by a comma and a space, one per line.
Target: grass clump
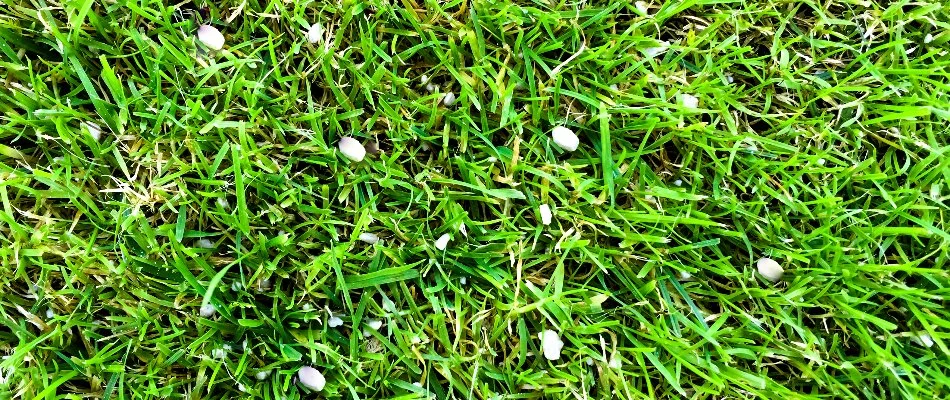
178, 221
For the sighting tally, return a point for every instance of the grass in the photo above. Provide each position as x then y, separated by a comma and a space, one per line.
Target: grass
820, 140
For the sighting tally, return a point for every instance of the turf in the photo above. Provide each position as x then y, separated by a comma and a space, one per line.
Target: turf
819, 140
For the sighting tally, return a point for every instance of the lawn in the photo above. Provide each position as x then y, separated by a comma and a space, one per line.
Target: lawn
475, 200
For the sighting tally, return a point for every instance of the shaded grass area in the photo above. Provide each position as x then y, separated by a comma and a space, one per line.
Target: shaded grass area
819, 140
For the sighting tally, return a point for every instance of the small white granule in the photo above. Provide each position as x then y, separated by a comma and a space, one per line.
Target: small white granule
449, 99
551, 344
206, 311
369, 238
442, 242
689, 101
544, 211
219, 353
